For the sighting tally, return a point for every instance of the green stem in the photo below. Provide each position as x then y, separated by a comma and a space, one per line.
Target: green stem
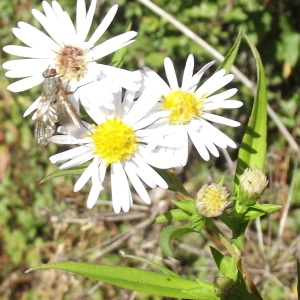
241, 266
222, 238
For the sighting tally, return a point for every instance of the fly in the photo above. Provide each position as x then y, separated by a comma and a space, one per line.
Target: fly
54, 107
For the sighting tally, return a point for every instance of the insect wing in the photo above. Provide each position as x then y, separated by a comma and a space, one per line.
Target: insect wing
67, 116
45, 123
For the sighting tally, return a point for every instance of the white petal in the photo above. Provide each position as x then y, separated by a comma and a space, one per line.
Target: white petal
188, 71
147, 174
220, 120
93, 195
147, 120
64, 139
69, 154
231, 104
25, 84
28, 52
124, 78
153, 80
121, 195
77, 160
216, 136
111, 45
67, 29
49, 25
86, 175
214, 83
34, 64
140, 108
209, 145
165, 158
137, 183
32, 107
33, 37
104, 24
191, 86
83, 25
215, 101
20, 73
171, 74
199, 145
127, 102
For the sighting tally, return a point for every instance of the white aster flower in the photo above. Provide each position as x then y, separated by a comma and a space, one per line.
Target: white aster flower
117, 141
189, 109
65, 48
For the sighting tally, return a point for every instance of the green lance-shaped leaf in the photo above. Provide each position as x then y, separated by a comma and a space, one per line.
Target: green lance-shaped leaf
77, 170
252, 152
134, 279
230, 57
169, 234
258, 210
227, 266
173, 215
186, 205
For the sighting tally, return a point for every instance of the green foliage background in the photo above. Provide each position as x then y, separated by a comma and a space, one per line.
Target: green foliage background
28, 235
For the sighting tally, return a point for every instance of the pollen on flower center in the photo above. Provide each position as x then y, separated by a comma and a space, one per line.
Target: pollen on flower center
184, 106
71, 62
211, 200
114, 141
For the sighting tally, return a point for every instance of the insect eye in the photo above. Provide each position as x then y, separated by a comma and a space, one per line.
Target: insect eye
49, 73
52, 72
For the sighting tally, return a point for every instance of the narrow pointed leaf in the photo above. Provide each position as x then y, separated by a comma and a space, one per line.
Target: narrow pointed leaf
230, 57
77, 170
130, 278
259, 210
188, 206
169, 234
252, 152
224, 264
155, 265
173, 215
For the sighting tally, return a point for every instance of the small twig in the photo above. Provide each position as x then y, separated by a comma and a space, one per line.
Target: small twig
260, 237
236, 255
231, 165
288, 202
248, 278
120, 238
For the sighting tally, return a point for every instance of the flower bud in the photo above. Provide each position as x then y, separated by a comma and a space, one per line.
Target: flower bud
225, 288
252, 184
211, 200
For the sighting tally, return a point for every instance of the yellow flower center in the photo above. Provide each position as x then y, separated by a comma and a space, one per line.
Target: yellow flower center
71, 62
211, 200
114, 141
184, 106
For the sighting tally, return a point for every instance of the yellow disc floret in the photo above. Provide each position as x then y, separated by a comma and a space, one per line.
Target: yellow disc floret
114, 141
211, 200
184, 106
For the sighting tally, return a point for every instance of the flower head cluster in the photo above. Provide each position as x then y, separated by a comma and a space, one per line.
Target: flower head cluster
211, 200
252, 184
137, 122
